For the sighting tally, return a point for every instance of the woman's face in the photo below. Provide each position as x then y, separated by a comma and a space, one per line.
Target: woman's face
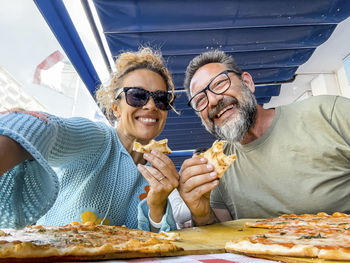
146, 122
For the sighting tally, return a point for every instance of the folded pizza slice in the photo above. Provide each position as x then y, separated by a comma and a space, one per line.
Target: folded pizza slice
161, 146
218, 158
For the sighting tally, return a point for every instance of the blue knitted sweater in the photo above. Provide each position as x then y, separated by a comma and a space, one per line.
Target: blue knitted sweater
81, 172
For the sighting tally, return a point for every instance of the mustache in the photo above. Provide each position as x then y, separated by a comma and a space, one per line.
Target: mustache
224, 102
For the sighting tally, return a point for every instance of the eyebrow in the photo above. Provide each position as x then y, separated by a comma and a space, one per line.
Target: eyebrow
207, 84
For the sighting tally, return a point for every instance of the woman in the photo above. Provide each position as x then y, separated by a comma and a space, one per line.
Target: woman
58, 170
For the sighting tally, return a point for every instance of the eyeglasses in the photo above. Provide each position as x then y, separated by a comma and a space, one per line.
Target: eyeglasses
218, 85
138, 97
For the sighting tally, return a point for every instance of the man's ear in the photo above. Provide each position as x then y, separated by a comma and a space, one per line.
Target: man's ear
116, 110
248, 80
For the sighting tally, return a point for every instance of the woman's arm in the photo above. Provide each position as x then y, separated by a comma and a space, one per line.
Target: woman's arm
11, 154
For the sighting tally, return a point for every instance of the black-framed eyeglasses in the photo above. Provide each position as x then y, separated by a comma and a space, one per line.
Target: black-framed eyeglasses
138, 97
218, 85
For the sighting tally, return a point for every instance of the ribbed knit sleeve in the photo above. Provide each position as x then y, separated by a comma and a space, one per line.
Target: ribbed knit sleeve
168, 222
30, 189
23, 199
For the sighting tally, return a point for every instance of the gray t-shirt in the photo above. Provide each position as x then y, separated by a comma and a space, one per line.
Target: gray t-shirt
301, 164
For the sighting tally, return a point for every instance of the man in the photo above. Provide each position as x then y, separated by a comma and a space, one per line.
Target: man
292, 159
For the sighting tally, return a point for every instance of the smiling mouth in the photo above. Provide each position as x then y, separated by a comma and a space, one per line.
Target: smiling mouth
223, 111
148, 120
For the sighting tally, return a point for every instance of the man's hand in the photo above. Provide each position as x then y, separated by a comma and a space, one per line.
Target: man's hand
197, 180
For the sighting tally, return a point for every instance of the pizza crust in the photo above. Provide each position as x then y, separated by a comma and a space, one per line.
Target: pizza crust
87, 241
218, 158
247, 247
161, 146
334, 254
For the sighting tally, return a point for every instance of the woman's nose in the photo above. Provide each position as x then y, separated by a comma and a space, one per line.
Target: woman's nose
150, 104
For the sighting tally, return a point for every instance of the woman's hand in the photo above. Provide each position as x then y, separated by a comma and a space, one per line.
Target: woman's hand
11, 154
163, 178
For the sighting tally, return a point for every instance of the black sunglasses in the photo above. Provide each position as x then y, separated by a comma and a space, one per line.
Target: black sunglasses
138, 97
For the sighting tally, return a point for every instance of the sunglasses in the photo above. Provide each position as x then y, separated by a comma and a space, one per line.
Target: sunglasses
138, 97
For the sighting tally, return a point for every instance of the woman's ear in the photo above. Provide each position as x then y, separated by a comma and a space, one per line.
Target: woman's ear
248, 80
116, 110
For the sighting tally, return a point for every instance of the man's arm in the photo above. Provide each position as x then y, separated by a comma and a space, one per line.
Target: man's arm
216, 215
209, 219
11, 154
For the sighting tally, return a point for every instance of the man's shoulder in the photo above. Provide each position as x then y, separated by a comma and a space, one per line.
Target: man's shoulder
322, 102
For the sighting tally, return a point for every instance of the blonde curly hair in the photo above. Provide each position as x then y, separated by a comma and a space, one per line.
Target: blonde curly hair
144, 58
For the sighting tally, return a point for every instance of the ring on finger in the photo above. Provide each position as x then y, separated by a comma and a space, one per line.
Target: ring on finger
160, 179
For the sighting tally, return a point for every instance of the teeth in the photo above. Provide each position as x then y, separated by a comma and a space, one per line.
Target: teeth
147, 120
223, 110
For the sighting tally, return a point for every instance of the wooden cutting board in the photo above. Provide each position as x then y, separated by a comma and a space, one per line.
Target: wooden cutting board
213, 238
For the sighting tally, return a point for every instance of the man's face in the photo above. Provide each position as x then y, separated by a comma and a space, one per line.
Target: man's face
231, 114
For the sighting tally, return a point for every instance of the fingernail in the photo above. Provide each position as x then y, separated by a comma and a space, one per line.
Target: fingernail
146, 155
202, 160
213, 174
155, 152
209, 166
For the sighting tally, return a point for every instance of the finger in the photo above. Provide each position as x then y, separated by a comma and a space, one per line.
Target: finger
158, 179
199, 180
195, 170
156, 159
165, 159
199, 191
194, 160
163, 164
147, 174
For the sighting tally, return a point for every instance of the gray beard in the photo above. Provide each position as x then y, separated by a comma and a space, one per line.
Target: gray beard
236, 127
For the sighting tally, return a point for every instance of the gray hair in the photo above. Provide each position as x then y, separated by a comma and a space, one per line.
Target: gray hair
215, 56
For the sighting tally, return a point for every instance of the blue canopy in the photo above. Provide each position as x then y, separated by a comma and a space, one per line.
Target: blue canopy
270, 39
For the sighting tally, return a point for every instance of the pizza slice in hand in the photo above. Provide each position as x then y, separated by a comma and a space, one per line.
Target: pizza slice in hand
161, 146
216, 157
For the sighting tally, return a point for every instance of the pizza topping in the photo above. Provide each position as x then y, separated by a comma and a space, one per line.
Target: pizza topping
311, 236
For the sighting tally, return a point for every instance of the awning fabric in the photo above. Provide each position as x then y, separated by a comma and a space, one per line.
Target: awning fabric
270, 39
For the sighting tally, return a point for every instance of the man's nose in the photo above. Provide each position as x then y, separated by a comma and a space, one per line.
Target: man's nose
213, 99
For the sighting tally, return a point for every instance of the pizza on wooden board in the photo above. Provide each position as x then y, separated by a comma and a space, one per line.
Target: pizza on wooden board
309, 235
161, 146
218, 158
78, 241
